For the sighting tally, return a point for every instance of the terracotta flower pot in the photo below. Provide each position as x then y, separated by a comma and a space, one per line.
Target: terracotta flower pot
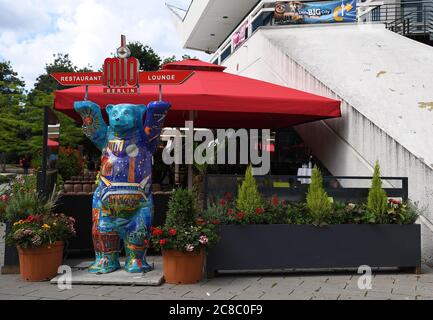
183, 267
40, 264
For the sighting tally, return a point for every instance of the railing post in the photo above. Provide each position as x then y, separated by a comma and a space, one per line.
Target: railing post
425, 24
386, 13
405, 187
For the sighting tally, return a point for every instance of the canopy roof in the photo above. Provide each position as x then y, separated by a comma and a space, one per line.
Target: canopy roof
53, 144
218, 99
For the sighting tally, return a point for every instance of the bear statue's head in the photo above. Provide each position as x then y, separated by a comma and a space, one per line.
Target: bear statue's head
125, 117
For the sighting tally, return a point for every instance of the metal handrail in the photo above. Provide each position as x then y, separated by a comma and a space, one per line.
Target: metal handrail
407, 26
392, 14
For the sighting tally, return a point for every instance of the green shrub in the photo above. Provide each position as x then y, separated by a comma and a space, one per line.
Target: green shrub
377, 199
318, 203
22, 205
68, 165
401, 213
297, 213
23, 184
182, 209
249, 197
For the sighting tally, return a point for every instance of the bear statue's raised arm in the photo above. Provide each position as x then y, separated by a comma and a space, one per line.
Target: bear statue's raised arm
155, 116
94, 125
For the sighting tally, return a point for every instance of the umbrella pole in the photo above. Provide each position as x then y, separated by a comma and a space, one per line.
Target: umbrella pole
190, 175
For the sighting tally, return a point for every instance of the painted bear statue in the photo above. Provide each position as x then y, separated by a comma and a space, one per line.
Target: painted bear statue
122, 202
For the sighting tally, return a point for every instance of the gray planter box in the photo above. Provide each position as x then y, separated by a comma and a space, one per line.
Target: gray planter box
276, 247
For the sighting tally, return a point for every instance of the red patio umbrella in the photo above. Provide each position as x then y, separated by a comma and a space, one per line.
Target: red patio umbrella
52, 144
218, 99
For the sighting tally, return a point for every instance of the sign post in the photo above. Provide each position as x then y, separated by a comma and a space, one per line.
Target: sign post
122, 75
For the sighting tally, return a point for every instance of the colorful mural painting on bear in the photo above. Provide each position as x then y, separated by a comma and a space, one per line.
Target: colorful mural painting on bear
122, 203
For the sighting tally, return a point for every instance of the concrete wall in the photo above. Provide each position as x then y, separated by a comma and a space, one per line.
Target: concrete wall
349, 145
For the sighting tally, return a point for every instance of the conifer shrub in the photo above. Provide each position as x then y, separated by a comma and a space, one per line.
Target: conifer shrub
249, 197
377, 202
318, 204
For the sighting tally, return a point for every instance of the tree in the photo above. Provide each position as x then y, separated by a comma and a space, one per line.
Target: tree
12, 98
169, 59
173, 58
70, 132
9, 81
249, 197
61, 63
11, 89
149, 60
42, 95
318, 203
377, 198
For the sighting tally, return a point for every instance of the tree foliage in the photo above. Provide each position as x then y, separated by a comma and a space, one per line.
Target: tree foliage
249, 197
318, 203
149, 59
182, 209
377, 198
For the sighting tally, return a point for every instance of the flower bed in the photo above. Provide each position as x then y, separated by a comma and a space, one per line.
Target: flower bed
317, 233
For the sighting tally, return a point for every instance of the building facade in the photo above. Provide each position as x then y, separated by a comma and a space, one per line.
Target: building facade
373, 65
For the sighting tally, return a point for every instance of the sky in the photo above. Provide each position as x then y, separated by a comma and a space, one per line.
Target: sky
31, 31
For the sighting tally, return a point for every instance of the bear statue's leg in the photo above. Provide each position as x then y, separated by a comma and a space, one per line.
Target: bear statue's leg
136, 233
106, 242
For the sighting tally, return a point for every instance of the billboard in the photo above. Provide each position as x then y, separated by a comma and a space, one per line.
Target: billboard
295, 12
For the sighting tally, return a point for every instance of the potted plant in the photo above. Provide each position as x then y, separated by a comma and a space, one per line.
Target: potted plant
37, 234
183, 240
262, 234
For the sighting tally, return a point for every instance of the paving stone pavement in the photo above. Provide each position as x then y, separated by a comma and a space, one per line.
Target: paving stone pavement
386, 285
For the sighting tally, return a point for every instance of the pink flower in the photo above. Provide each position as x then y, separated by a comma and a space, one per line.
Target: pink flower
203, 240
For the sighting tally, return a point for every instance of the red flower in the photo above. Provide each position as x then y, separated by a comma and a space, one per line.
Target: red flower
146, 243
394, 201
216, 221
172, 232
4, 198
30, 219
240, 215
222, 202
275, 201
163, 242
157, 232
230, 212
259, 211
228, 196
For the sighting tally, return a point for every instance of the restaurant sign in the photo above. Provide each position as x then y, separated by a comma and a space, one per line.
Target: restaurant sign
122, 75
295, 12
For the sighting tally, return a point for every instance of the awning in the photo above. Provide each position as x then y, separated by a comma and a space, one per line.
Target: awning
52, 144
218, 99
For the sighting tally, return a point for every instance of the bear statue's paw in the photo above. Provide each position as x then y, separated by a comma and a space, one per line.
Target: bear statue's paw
137, 266
103, 266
